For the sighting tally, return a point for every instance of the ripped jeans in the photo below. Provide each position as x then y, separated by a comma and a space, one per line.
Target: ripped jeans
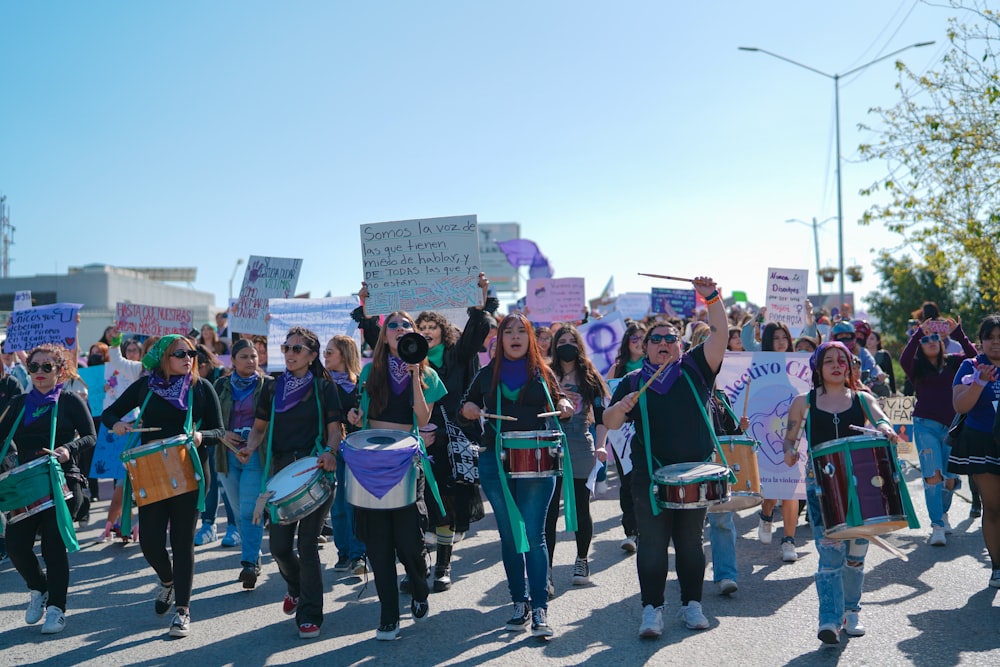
929, 438
841, 573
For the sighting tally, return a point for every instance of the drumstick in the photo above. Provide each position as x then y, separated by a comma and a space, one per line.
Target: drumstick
309, 469
650, 380
878, 541
865, 429
503, 417
231, 448
147, 429
746, 399
554, 413
656, 275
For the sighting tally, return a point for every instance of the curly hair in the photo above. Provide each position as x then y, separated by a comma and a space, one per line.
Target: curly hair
448, 337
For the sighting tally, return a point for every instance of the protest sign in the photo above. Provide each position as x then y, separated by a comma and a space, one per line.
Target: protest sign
603, 338
673, 302
633, 305
265, 278
620, 439
555, 300
416, 265
786, 297
22, 299
136, 318
93, 377
899, 410
30, 327
326, 318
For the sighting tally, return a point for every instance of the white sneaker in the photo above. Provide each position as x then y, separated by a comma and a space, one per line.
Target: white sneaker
652, 622
764, 530
692, 616
938, 538
947, 524
55, 621
600, 489
853, 625
788, 553
628, 545
36, 607
459, 536
727, 587
581, 572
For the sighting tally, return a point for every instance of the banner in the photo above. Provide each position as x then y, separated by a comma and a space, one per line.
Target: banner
326, 318
136, 318
416, 265
602, 338
555, 300
93, 377
22, 299
772, 380
265, 278
620, 439
31, 327
673, 302
633, 305
786, 297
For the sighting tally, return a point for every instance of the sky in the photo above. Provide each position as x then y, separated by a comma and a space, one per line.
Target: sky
623, 137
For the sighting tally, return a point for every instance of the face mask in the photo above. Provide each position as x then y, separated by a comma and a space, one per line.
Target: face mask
95, 359
567, 352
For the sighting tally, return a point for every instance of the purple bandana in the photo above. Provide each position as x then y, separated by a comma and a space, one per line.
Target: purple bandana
399, 375
37, 404
514, 374
290, 390
241, 386
174, 390
343, 380
662, 384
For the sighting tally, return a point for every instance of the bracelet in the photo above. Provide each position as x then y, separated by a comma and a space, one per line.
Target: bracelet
979, 381
712, 298
884, 421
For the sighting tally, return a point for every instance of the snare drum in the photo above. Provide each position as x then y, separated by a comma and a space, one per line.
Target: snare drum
381, 469
685, 486
532, 453
300, 489
160, 469
858, 471
27, 490
741, 455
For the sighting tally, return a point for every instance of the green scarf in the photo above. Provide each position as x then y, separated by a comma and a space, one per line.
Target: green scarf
435, 355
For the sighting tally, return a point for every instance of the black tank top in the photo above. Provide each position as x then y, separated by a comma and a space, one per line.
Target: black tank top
826, 426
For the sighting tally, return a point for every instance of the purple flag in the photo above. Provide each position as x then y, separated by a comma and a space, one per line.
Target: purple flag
522, 252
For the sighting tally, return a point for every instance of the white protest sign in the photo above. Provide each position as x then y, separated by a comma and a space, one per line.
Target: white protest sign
634, 305
620, 439
265, 278
416, 265
603, 338
136, 318
786, 297
492, 261
326, 318
22, 299
555, 300
31, 327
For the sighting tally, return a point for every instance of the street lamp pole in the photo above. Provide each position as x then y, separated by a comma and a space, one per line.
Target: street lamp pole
815, 227
232, 278
836, 101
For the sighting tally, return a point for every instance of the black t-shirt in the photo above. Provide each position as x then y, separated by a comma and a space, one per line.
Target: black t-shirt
205, 412
296, 430
74, 431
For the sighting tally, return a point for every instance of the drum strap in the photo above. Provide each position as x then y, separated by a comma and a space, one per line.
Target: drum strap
10, 435
425, 463
516, 520
710, 425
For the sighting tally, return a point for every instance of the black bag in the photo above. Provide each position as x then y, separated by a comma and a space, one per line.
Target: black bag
955, 430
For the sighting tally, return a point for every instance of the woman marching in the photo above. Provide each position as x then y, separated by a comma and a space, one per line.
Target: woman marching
398, 396
827, 412
174, 401
55, 425
518, 386
672, 426
298, 415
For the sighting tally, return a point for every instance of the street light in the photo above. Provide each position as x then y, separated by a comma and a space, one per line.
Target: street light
232, 278
836, 100
815, 225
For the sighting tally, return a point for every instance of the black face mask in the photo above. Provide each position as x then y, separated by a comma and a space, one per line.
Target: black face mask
95, 360
567, 352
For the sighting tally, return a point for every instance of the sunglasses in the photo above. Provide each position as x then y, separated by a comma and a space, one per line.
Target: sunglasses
45, 368
297, 349
932, 338
180, 354
663, 338
396, 325
635, 339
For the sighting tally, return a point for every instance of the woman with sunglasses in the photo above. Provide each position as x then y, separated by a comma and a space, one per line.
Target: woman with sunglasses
671, 426
174, 400
832, 407
298, 415
398, 396
45, 421
931, 371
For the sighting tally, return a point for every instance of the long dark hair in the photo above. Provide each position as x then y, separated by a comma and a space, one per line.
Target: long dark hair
312, 342
624, 353
767, 336
377, 384
592, 384
816, 363
536, 362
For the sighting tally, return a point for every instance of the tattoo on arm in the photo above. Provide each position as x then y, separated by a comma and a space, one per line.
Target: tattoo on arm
791, 441
712, 328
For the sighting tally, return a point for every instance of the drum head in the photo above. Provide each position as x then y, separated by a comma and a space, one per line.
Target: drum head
293, 477
690, 473
846, 444
380, 438
538, 436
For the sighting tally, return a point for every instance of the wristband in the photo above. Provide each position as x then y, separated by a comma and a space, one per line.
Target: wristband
979, 381
884, 421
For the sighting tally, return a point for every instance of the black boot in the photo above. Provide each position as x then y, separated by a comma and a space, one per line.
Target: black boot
442, 570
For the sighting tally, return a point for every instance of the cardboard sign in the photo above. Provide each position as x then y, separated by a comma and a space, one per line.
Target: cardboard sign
136, 318
326, 318
786, 297
265, 278
22, 299
555, 300
673, 302
31, 327
899, 410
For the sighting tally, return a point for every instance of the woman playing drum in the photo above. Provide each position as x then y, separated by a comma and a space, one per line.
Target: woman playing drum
397, 396
833, 407
672, 427
517, 384
46, 422
174, 400
297, 416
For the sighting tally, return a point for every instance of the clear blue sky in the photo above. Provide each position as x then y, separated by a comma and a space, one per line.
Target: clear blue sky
623, 137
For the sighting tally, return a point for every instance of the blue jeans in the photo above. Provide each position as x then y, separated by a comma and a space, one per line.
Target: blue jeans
342, 519
242, 484
841, 573
532, 497
928, 436
722, 536
212, 493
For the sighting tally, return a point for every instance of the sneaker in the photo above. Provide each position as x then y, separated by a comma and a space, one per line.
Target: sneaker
308, 630
442, 579
181, 625
387, 632
652, 622
289, 605
205, 534
36, 607
828, 634
404, 585
975, 512
628, 545
581, 572
788, 553
727, 587
164, 598
519, 621
342, 565
947, 524
419, 610
995, 579
321, 540
692, 616
232, 538
248, 575
540, 623
55, 621
459, 536
853, 625
764, 530
357, 566
938, 538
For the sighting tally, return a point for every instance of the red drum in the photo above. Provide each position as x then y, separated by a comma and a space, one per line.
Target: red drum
532, 453
684, 486
873, 485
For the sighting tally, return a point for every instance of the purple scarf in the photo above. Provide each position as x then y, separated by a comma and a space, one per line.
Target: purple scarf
379, 470
399, 375
289, 390
174, 390
37, 404
343, 380
514, 374
662, 384
241, 386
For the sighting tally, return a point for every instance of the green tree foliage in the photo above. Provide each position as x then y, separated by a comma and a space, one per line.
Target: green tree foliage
941, 143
